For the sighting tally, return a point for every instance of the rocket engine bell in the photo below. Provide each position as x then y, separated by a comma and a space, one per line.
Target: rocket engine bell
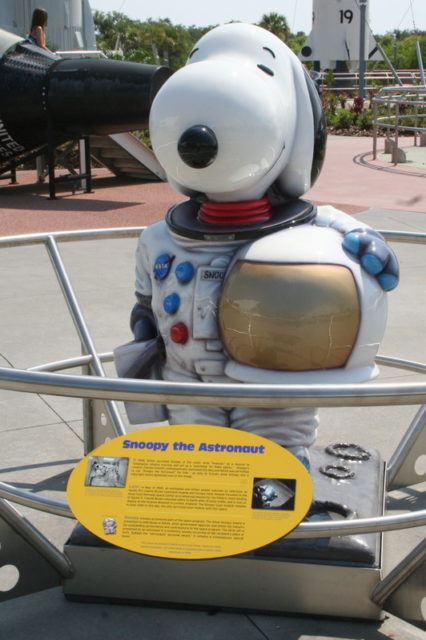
78, 97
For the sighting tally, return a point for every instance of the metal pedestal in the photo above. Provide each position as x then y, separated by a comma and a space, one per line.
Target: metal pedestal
322, 576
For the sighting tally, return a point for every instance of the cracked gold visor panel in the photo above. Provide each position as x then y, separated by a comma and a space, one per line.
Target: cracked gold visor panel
289, 317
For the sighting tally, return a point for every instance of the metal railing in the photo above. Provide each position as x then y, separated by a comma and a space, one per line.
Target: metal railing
97, 386
348, 82
405, 111
43, 379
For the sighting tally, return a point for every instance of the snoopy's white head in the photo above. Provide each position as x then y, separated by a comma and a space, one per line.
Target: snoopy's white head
240, 118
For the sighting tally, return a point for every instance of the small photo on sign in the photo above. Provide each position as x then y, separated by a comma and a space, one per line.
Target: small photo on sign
274, 493
103, 471
109, 526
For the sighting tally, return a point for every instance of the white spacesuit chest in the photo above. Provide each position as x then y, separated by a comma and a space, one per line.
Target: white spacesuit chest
209, 281
185, 283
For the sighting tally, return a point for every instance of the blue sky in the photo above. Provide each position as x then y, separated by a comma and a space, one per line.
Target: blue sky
385, 15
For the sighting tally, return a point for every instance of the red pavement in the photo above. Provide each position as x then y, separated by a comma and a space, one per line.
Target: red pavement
119, 202
114, 202
354, 187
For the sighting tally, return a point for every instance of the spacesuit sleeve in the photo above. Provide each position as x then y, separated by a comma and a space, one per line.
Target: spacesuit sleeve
143, 284
329, 216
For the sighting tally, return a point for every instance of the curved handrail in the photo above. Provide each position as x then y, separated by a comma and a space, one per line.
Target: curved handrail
201, 393
396, 120
304, 530
131, 232
108, 356
43, 379
70, 236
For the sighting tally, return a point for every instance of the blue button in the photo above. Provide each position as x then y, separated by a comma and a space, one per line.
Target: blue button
162, 266
171, 303
184, 272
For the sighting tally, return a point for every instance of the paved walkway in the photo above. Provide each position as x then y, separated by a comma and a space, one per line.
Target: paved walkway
41, 436
344, 182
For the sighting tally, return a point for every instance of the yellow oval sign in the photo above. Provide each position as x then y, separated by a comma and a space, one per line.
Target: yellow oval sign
190, 491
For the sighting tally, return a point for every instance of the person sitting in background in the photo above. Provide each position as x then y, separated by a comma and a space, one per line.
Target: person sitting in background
37, 34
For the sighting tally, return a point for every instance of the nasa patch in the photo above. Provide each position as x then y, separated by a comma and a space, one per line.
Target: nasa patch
162, 266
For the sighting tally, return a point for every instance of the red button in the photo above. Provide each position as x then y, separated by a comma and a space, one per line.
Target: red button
179, 333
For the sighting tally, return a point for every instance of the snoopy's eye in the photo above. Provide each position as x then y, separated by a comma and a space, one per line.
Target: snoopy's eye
193, 51
269, 51
266, 69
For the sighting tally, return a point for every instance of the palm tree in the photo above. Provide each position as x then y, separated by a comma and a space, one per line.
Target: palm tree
276, 24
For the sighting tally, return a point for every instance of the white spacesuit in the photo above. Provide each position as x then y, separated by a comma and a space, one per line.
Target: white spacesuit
186, 316
243, 281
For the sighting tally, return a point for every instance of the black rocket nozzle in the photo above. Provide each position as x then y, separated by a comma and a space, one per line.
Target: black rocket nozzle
78, 97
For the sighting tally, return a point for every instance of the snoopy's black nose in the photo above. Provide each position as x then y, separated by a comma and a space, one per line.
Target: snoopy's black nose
197, 146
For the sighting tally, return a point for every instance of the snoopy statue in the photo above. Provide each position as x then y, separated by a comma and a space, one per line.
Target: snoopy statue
244, 282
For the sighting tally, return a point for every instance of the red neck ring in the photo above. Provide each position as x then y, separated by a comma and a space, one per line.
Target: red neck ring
235, 213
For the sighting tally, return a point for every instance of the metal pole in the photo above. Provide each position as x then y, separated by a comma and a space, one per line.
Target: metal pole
395, 147
374, 129
362, 9
51, 159
39, 502
399, 468
36, 539
420, 60
83, 161
81, 327
399, 574
389, 63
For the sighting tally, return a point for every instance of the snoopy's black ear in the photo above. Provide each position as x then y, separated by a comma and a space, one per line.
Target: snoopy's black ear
320, 129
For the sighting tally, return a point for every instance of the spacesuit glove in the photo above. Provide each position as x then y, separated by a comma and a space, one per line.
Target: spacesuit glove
367, 244
142, 321
375, 256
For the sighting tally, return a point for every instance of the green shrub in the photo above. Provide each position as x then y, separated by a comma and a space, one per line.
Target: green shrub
344, 119
364, 120
328, 78
143, 136
330, 118
330, 101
